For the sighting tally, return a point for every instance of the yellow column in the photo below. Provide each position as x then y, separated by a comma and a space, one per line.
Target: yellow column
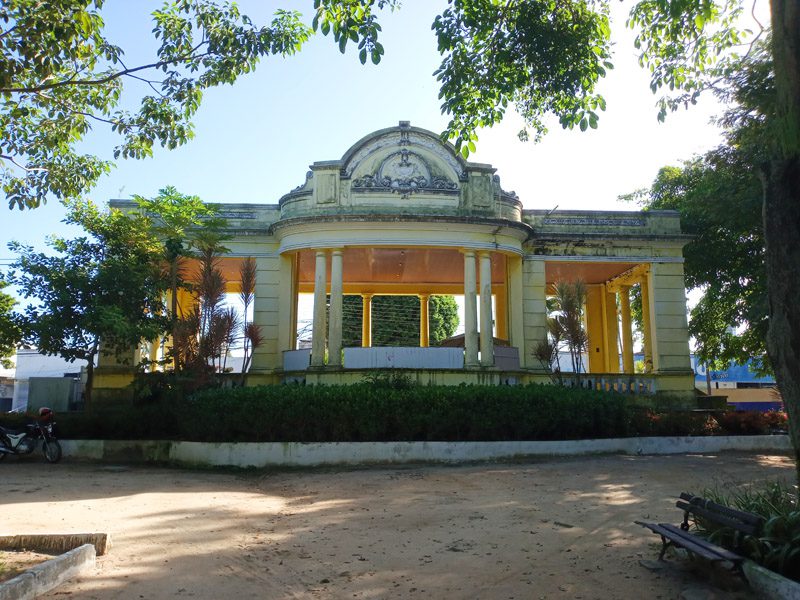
366, 320
501, 312
154, 349
627, 330
610, 331
287, 306
487, 334
335, 316
320, 313
424, 321
594, 329
470, 311
647, 324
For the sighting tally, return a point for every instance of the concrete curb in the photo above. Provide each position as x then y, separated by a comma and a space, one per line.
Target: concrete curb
295, 454
769, 584
44, 577
56, 542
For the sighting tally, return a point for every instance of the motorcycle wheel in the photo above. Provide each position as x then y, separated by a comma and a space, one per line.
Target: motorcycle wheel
4, 442
51, 450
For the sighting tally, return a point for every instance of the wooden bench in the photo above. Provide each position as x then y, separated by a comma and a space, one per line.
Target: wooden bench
742, 523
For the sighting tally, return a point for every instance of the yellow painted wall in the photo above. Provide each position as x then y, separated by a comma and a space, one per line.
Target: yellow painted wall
671, 335
534, 309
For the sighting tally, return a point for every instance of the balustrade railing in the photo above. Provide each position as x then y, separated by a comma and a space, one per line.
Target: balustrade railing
619, 382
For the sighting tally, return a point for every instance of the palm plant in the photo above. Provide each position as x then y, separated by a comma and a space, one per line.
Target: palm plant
247, 294
565, 329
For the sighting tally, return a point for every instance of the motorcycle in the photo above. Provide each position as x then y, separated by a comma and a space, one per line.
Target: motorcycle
26, 441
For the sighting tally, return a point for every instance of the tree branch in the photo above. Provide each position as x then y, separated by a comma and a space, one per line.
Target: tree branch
5, 33
149, 82
75, 111
21, 166
103, 80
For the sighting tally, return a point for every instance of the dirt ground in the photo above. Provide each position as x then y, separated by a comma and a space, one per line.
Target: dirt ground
560, 528
12, 563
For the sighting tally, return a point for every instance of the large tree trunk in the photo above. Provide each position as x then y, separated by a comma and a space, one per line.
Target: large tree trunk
782, 226
782, 215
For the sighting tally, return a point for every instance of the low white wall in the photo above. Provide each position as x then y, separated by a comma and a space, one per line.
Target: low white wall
380, 357
353, 453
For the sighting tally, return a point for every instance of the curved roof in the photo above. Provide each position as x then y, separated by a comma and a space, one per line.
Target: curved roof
406, 134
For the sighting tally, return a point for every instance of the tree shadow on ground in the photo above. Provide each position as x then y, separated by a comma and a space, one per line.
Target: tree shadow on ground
557, 528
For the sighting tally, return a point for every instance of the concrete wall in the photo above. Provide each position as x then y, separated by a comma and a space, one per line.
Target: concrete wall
54, 392
354, 453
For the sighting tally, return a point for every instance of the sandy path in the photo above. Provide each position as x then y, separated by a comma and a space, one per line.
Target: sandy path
553, 529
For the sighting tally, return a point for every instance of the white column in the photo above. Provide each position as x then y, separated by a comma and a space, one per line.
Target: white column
318, 326
487, 341
335, 317
470, 311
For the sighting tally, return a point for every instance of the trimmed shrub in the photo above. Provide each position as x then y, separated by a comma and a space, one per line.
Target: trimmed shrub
777, 547
745, 422
646, 422
363, 412
394, 409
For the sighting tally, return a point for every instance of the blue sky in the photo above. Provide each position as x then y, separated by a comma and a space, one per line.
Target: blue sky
255, 140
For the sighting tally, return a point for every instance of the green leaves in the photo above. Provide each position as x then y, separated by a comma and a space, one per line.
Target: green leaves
352, 21
719, 197
59, 76
106, 284
687, 45
545, 57
9, 329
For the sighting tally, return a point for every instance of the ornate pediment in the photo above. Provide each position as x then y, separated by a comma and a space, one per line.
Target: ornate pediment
404, 172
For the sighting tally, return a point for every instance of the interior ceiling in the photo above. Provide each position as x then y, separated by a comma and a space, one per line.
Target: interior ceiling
424, 266
228, 265
401, 265
588, 272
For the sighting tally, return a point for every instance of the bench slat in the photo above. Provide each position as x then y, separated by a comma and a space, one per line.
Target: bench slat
744, 517
679, 539
686, 539
715, 517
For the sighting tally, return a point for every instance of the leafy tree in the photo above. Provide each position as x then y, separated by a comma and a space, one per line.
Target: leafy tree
720, 196
395, 320
542, 56
182, 223
60, 76
9, 330
443, 318
688, 46
102, 288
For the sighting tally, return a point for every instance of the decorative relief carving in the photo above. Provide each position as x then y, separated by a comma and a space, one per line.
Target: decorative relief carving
479, 191
404, 172
594, 222
404, 136
404, 141
309, 176
326, 188
235, 214
511, 194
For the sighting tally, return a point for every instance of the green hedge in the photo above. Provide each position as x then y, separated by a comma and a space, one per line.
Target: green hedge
362, 412
387, 411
